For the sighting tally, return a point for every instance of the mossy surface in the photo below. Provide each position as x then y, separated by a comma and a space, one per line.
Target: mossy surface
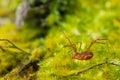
42, 37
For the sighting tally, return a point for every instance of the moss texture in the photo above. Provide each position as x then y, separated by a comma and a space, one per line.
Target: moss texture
42, 37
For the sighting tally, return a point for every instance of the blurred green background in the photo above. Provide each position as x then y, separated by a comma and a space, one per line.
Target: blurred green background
42, 37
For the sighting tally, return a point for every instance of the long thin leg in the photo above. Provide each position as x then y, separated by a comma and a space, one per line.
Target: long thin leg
69, 45
96, 41
80, 44
73, 46
74, 49
13, 45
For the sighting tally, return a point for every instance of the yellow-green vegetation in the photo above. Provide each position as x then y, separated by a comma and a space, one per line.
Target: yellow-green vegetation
42, 39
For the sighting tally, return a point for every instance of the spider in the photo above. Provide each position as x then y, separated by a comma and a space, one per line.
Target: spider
84, 55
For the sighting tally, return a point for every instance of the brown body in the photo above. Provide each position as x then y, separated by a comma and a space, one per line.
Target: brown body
83, 55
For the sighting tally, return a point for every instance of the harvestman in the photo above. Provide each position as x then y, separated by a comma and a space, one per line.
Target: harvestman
84, 55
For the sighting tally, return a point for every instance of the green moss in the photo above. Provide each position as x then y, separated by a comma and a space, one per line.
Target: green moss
48, 59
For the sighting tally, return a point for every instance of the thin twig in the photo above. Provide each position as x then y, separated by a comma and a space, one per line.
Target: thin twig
93, 66
18, 68
21, 65
13, 45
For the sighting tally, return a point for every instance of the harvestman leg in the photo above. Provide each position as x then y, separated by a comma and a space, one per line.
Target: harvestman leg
96, 41
80, 46
72, 45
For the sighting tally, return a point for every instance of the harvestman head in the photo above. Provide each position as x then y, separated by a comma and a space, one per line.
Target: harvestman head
83, 55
